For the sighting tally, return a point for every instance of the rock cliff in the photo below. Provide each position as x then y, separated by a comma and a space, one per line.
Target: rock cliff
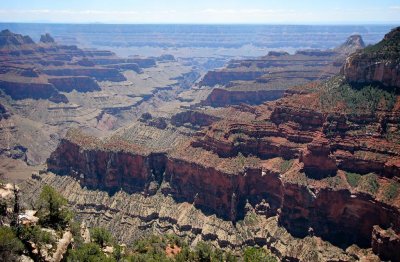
323, 162
40, 70
376, 64
255, 81
79, 83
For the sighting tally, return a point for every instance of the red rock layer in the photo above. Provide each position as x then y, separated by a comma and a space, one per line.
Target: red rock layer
336, 215
376, 64
222, 97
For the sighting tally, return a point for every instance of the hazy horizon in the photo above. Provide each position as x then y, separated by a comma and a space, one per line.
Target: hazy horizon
308, 12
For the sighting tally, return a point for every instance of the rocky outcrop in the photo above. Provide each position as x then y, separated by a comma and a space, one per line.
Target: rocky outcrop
255, 81
213, 78
78, 83
166, 57
317, 159
386, 243
376, 64
9, 39
353, 43
58, 98
338, 216
141, 62
47, 39
335, 215
126, 66
195, 118
160, 214
22, 90
38, 70
100, 74
222, 97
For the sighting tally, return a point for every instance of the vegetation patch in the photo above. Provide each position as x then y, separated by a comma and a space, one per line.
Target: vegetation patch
10, 245
285, 165
101, 236
52, 209
392, 191
369, 183
353, 179
363, 100
252, 254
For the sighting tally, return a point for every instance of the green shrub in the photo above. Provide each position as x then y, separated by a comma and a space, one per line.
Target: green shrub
149, 249
75, 229
362, 100
353, 179
369, 183
101, 236
52, 209
392, 191
10, 245
286, 165
254, 254
36, 235
89, 252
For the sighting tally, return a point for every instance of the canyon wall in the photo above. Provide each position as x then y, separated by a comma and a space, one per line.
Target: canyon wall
336, 215
23, 90
79, 83
376, 64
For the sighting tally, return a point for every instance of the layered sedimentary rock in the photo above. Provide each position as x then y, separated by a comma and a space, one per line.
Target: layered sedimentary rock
161, 214
196, 118
100, 74
220, 96
48, 88
258, 80
22, 90
323, 160
79, 83
376, 64
37, 70
8, 39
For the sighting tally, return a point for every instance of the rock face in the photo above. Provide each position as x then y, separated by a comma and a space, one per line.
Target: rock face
100, 74
161, 214
79, 83
28, 90
194, 118
46, 38
40, 70
223, 97
213, 78
320, 166
353, 43
318, 162
266, 78
8, 39
386, 243
376, 64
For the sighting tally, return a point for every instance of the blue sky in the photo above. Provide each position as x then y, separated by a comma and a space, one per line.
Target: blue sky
202, 11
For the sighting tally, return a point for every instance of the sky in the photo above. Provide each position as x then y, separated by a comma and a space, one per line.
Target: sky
203, 11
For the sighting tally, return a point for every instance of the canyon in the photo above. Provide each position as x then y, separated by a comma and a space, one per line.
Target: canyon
254, 81
298, 152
